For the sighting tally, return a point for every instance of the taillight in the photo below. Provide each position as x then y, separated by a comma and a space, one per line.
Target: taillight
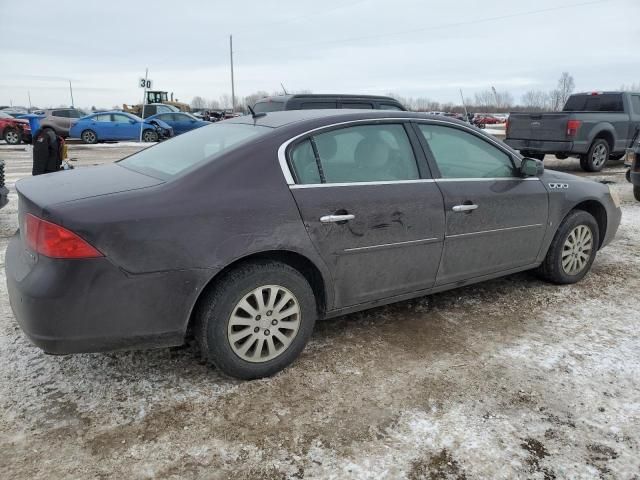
572, 127
54, 241
506, 127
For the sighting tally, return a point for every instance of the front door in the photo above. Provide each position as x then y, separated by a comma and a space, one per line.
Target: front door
123, 128
495, 219
369, 210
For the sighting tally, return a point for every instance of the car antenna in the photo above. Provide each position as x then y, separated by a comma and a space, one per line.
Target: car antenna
254, 114
284, 89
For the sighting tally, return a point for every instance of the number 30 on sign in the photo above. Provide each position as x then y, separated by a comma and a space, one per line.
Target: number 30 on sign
142, 83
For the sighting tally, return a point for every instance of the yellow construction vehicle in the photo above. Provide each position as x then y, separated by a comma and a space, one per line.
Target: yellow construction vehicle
156, 97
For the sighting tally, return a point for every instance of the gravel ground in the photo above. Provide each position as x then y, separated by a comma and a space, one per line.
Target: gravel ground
512, 378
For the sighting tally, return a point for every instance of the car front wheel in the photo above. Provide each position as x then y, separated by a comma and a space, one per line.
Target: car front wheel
636, 192
572, 250
149, 136
257, 320
12, 136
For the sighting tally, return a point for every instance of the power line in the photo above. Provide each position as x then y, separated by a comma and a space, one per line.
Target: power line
430, 28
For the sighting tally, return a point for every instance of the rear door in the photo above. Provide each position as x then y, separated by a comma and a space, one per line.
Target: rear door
495, 219
103, 125
370, 208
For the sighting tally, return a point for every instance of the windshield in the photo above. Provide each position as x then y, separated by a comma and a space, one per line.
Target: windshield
168, 159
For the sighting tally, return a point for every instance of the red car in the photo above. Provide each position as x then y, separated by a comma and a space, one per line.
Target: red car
14, 130
486, 120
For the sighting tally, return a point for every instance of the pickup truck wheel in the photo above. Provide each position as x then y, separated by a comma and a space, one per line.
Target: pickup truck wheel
596, 157
12, 136
572, 250
636, 192
257, 320
89, 136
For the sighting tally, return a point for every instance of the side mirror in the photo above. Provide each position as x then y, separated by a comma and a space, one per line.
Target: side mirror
530, 167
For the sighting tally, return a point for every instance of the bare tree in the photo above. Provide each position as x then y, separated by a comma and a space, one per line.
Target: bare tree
566, 86
252, 98
225, 100
536, 100
198, 102
213, 105
634, 87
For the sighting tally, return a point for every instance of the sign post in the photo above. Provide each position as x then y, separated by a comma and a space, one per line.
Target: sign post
144, 83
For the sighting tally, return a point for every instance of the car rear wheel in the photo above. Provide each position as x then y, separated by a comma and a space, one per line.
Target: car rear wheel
257, 320
149, 136
572, 250
12, 136
596, 157
636, 192
89, 136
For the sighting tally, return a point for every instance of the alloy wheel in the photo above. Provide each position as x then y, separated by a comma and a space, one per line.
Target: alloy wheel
263, 323
12, 137
89, 137
599, 155
577, 249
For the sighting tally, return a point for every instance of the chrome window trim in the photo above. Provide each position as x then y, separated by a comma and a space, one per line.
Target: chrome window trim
420, 241
296, 186
521, 227
492, 179
284, 166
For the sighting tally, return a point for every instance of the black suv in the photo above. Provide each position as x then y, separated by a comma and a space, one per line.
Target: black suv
315, 102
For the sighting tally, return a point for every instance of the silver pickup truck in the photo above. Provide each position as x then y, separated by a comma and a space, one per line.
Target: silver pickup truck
594, 127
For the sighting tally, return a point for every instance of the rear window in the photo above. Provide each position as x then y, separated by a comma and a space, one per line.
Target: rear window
270, 106
606, 102
174, 156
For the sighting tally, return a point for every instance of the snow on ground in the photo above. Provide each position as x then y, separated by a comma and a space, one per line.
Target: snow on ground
512, 378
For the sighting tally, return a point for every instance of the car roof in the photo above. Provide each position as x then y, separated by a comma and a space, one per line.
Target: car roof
320, 96
288, 117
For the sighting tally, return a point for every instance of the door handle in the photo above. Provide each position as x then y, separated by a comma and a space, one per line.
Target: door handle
464, 208
337, 218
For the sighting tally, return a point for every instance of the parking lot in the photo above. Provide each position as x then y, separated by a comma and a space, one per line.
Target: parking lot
512, 378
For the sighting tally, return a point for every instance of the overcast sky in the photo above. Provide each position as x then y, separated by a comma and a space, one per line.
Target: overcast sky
427, 48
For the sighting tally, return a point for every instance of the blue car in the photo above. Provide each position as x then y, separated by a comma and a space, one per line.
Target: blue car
180, 121
116, 125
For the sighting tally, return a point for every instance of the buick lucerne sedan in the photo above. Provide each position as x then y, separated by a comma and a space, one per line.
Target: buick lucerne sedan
241, 234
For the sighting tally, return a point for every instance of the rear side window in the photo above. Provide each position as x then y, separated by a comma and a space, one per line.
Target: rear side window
355, 105
60, 113
265, 107
388, 106
318, 105
196, 147
460, 154
105, 117
635, 102
366, 153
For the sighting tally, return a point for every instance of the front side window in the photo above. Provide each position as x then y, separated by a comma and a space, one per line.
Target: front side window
60, 113
388, 106
459, 154
366, 153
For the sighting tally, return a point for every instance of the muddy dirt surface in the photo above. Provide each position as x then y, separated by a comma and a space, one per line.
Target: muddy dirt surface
512, 378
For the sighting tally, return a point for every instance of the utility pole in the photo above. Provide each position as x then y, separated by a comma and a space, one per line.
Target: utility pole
29, 95
71, 91
233, 88
495, 94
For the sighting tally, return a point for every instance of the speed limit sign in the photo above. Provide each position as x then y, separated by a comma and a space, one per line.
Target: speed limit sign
142, 83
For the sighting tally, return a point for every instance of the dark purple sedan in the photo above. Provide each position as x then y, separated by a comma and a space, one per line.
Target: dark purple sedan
242, 233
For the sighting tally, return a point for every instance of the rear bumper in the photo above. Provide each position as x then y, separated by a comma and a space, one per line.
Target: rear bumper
541, 146
90, 305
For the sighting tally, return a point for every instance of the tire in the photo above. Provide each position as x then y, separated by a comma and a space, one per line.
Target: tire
221, 314
12, 136
562, 156
89, 136
149, 136
596, 157
552, 268
636, 192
